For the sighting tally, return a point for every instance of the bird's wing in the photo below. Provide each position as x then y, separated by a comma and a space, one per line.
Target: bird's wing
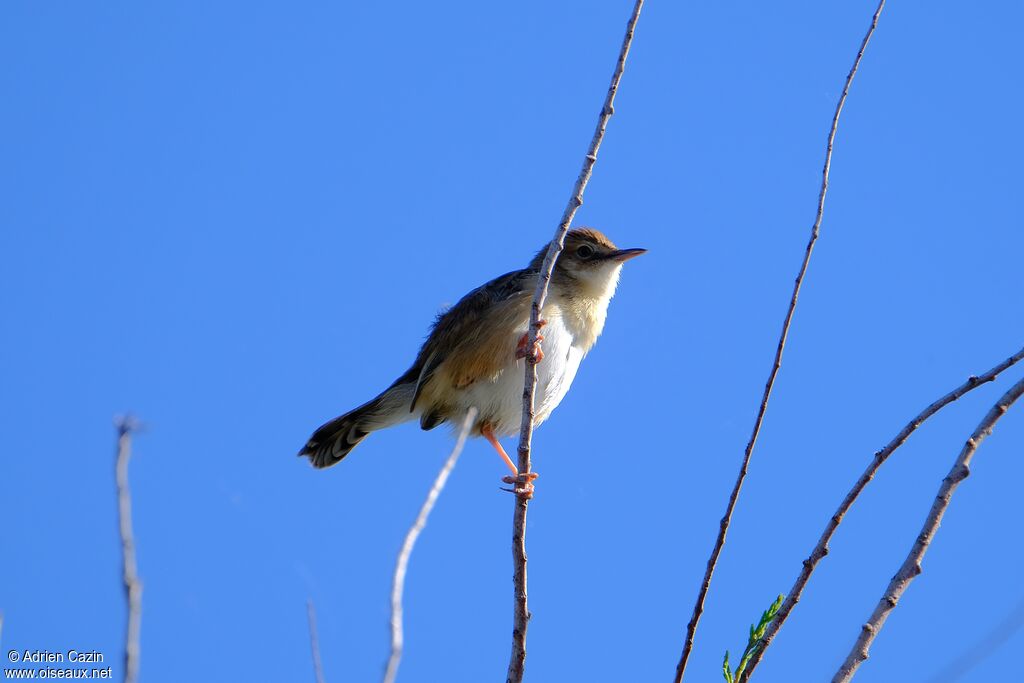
476, 337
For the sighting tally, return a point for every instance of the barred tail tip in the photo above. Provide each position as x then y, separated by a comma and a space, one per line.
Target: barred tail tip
333, 441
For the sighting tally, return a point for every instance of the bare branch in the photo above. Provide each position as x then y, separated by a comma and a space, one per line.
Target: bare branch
132, 584
314, 642
822, 549
723, 527
398, 585
521, 613
911, 567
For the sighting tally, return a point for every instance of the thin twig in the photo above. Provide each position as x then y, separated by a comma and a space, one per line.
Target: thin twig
723, 527
521, 612
822, 549
398, 585
314, 642
132, 584
984, 648
911, 567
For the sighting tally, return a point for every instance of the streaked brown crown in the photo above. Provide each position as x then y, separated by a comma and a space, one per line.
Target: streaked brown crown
574, 239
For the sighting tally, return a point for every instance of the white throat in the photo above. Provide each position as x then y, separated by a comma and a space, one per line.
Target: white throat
586, 306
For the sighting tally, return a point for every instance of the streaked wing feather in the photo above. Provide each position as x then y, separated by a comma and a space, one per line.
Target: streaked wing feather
429, 366
474, 338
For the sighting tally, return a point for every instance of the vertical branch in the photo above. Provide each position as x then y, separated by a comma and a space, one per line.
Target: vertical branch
402, 564
521, 613
911, 567
314, 642
821, 549
723, 527
132, 585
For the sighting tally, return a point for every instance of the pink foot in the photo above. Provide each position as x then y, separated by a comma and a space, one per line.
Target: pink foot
538, 353
523, 484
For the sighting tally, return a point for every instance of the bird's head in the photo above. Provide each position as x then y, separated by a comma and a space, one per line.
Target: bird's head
589, 264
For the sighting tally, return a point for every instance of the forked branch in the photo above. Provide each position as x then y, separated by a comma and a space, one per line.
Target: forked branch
911, 567
821, 549
723, 527
521, 613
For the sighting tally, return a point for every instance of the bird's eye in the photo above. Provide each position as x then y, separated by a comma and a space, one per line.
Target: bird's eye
585, 251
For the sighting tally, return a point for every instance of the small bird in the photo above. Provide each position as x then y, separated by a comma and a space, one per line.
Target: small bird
471, 357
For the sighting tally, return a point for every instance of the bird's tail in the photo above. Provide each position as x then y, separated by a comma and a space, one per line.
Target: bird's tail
335, 439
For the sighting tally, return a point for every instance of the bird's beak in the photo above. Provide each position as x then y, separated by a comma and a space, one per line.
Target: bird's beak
621, 255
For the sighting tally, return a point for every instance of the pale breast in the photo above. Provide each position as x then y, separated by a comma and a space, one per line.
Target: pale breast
500, 402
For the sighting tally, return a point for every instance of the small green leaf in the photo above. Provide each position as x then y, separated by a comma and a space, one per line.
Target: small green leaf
754, 643
726, 670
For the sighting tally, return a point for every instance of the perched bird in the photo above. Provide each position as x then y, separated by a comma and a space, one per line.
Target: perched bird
471, 357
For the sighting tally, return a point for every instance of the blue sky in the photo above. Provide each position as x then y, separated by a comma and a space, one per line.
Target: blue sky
237, 220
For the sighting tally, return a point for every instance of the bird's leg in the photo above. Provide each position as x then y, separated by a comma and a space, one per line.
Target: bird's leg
523, 482
488, 433
538, 353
